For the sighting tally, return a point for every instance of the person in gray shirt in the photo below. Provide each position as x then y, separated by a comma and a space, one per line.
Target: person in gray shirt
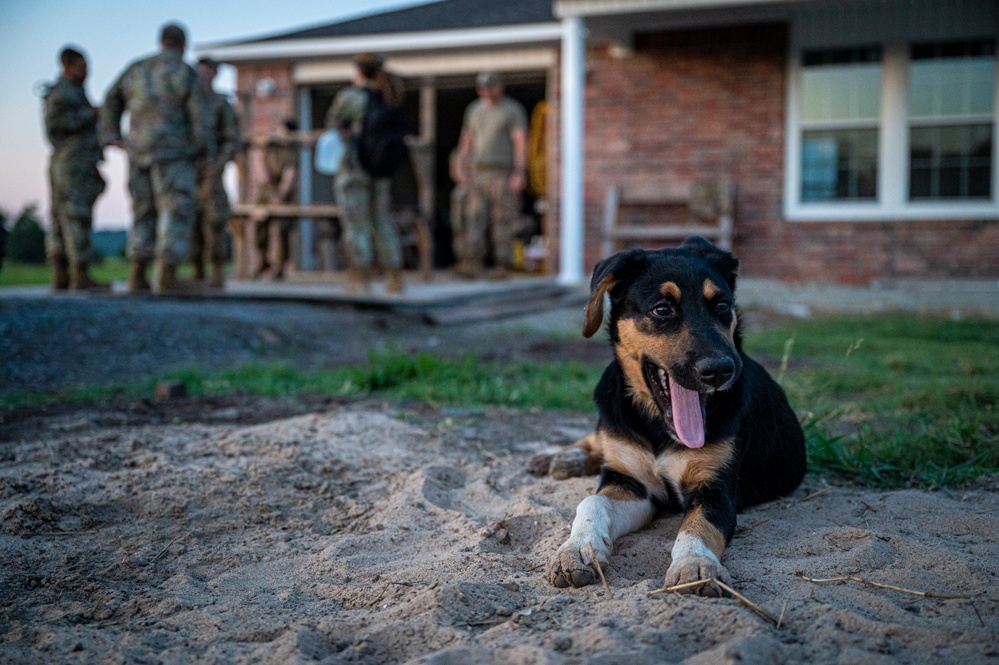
492, 154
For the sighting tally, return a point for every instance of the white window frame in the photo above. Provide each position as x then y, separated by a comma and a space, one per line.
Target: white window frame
892, 201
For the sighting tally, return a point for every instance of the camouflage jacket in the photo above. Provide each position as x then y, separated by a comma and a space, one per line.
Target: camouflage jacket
166, 110
224, 139
348, 110
71, 123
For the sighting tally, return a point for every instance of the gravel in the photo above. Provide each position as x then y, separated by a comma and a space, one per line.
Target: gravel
53, 342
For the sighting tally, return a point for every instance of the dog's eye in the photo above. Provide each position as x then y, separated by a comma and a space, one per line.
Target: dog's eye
663, 311
723, 307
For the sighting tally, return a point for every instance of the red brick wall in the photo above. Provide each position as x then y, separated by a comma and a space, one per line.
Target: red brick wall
710, 103
262, 114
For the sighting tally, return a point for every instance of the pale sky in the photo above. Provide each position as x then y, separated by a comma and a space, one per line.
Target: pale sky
112, 34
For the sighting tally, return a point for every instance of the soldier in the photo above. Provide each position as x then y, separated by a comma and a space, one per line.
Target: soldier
71, 126
208, 241
279, 177
364, 200
492, 154
167, 132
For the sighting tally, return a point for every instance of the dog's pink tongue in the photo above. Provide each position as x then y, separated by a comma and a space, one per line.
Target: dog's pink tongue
687, 418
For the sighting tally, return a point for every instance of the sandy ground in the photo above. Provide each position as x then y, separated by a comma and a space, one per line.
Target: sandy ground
321, 530
242, 531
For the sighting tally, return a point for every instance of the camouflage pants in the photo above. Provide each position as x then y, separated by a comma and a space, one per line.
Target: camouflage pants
75, 187
490, 215
273, 239
163, 210
208, 239
368, 230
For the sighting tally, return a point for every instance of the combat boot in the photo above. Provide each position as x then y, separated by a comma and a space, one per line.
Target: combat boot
394, 283
137, 277
60, 273
469, 269
359, 281
217, 280
80, 279
164, 276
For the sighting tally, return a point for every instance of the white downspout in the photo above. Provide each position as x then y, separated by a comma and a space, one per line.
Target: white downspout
572, 104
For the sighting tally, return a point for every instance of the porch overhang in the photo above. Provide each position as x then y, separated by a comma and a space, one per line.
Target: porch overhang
521, 36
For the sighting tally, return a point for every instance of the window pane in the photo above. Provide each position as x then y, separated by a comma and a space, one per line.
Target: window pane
950, 162
952, 87
841, 92
839, 165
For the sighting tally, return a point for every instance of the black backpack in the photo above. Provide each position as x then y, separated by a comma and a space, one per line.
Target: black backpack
381, 147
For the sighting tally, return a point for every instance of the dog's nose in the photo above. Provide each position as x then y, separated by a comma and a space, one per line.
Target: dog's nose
715, 371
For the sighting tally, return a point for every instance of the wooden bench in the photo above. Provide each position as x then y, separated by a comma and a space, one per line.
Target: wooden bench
708, 204
413, 232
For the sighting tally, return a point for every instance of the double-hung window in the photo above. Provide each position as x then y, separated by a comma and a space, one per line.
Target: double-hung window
841, 104
952, 89
891, 129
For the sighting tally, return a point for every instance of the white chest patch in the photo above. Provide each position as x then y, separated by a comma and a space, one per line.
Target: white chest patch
670, 466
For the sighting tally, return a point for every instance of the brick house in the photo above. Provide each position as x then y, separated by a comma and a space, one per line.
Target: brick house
861, 135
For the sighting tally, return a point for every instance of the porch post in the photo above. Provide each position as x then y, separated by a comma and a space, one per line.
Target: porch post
428, 133
306, 233
572, 104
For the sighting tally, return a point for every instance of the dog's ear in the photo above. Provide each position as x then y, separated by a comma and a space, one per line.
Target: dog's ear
714, 256
606, 275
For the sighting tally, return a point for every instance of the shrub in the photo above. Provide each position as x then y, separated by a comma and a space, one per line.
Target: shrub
26, 240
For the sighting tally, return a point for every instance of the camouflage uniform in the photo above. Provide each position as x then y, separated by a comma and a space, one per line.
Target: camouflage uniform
364, 201
71, 126
491, 206
167, 131
213, 203
278, 156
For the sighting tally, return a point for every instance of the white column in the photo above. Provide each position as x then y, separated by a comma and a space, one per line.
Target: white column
306, 233
572, 105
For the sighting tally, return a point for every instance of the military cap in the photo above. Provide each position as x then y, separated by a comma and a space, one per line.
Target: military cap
369, 60
486, 79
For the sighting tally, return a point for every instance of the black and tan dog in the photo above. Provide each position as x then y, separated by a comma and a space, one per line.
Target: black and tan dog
687, 422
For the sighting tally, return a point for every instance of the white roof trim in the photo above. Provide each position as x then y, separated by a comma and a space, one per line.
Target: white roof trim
566, 8
407, 41
312, 72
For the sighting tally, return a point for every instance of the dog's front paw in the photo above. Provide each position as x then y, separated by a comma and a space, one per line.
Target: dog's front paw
694, 567
572, 565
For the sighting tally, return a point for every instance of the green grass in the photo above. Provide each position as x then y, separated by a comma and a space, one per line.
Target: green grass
112, 269
886, 401
423, 377
893, 401
444, 381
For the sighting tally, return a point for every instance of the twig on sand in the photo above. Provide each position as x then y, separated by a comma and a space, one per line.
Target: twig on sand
679, 587
600, 571
783, 609
924, 594
743, 530
169, 545
721, 585
818, 493
748, 603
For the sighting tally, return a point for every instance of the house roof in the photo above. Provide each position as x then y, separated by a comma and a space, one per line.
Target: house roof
430, 17
564, 8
